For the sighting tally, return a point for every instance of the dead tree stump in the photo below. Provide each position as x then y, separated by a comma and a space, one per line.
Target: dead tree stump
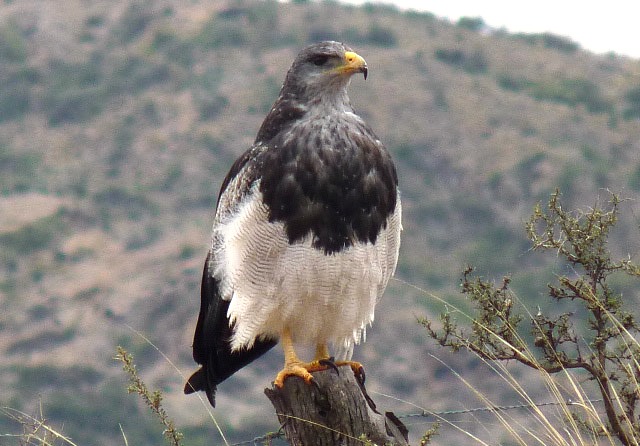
336, 411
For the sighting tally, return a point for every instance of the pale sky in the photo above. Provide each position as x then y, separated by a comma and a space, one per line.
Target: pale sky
598, 26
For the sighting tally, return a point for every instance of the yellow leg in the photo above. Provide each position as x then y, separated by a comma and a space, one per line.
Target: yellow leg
322, 352
293, 366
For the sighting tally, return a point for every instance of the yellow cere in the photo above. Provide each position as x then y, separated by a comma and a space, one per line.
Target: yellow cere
354, 63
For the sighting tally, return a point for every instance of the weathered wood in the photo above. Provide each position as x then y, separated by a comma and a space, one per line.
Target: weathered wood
335, 411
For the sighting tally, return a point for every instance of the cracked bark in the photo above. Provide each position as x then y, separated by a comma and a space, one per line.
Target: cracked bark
337, 411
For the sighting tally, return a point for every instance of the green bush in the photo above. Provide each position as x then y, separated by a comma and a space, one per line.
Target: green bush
94, 21
135, 73
43, 341
147, 237
549, 40
471, 23
75, 92
133, 22
632, 97
123, 138
560, 43
173, 173
210, 107
13, 46
115, 200
376, 35
320, 34
222, 33
33, 237
380, 36
187, 252
177, 50
572, 91
74, 105
33, 377
634, 179
18, 171
473, 63
527, 171
509, 82
15, 92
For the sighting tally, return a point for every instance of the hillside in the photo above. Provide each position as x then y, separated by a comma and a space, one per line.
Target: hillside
119, 120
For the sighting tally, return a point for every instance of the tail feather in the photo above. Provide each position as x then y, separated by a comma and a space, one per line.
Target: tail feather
198, 381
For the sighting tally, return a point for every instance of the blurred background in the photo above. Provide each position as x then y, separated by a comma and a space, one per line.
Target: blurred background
119, 120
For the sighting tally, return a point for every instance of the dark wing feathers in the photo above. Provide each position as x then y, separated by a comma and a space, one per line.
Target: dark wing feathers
211, 347
212, 309
237, 166
284, 112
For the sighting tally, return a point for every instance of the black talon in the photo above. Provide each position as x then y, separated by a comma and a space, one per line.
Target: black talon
360, 376
331, 363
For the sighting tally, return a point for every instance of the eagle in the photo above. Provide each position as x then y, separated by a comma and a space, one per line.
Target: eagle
306, 231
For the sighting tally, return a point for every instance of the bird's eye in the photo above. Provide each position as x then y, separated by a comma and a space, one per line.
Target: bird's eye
319, 60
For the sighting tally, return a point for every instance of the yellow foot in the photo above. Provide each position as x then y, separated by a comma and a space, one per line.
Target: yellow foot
302, 370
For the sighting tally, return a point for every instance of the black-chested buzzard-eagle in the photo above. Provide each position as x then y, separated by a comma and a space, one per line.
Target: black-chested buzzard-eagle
306, 231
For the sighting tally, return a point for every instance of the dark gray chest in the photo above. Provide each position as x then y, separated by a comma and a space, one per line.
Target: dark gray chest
333, 180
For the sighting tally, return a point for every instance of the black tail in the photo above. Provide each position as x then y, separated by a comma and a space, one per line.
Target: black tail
198, 381
211, 342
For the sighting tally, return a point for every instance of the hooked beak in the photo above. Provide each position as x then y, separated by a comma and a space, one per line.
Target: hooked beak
354, 63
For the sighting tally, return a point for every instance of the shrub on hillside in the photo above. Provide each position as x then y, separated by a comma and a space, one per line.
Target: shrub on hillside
606, 349
471, 62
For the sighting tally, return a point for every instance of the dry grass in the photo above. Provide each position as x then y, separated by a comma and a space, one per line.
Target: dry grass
35, 429
574, 415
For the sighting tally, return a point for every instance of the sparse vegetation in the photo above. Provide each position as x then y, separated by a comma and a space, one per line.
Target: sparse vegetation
376, 35
152, 399
475, 24
606, 349
35, 429
551, 41
473, 62
33, 237
633, 103
380, 36
571, 92
13, 45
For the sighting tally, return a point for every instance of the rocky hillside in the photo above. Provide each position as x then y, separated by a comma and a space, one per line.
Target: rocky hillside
118, 121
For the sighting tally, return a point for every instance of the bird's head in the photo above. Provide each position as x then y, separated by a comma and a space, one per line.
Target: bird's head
323, 69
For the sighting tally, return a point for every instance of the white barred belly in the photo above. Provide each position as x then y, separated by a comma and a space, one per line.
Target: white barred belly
273, 285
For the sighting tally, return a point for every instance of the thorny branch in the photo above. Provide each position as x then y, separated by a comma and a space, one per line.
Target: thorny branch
608, 352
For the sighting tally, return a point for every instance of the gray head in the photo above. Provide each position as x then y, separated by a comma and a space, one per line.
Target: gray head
323, 69
317, 82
